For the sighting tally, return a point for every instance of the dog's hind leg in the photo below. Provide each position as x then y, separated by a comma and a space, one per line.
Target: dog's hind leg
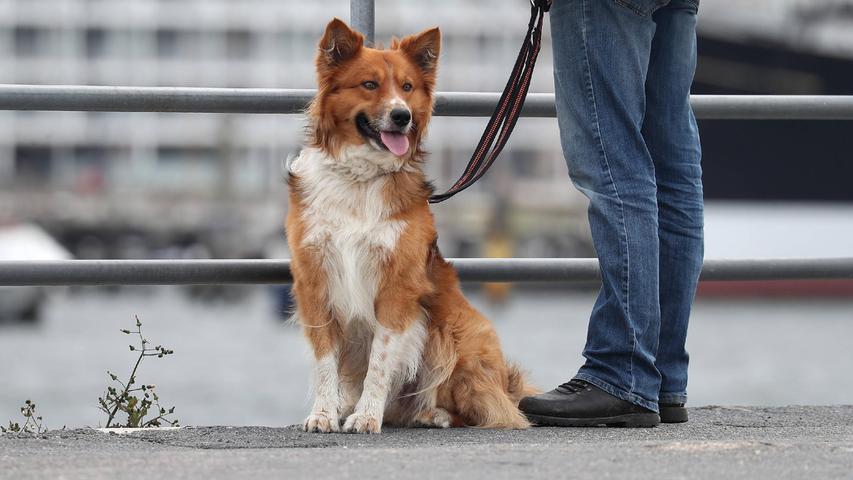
434, 418
439, 362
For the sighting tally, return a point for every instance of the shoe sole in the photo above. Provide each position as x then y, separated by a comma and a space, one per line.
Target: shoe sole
630, 420
673, 414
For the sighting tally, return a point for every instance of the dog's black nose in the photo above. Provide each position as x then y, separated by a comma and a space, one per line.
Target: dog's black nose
401, 117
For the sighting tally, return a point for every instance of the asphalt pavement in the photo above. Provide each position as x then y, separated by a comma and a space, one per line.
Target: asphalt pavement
718, 442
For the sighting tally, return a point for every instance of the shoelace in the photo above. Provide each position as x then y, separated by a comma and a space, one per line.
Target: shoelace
574, 385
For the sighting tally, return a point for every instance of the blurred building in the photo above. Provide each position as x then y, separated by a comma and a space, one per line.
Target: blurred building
116, 184
196, 174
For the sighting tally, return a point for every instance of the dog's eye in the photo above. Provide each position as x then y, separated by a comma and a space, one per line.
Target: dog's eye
407, 87
370, 85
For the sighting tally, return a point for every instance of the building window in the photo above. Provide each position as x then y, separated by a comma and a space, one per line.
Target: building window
167, 43
29, 41
183, 44
92, 156
528, 164
91, 163
191, 170
485, 45
33, 163
96, 42
239, 44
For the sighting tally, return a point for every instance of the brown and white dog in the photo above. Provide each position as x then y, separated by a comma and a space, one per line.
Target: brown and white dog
394, 339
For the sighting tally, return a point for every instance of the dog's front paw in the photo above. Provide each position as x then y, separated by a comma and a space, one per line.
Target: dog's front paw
362, 423
322, 422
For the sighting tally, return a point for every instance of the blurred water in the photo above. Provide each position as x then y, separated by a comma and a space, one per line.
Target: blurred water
236, 363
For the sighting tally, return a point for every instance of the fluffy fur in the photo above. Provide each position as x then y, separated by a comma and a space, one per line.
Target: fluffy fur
394, 339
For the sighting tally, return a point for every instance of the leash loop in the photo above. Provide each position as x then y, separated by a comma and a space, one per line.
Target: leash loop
508, 109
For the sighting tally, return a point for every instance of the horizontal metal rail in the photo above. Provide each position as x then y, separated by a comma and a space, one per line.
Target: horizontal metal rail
454, 104
200, 272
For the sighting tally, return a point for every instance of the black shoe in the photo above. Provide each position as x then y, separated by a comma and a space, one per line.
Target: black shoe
672, 413
581, 404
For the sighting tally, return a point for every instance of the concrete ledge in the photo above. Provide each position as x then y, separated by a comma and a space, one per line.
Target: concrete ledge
718, 442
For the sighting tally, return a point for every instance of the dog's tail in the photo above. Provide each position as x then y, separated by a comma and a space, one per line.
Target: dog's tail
517, 385
495, 406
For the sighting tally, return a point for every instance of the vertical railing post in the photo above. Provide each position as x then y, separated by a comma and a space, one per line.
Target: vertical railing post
362, 17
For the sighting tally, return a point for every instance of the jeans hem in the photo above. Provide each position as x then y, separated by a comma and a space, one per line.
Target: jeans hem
618, 392
672, 398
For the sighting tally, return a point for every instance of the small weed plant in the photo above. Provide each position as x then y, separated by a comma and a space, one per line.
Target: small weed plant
138, 401
32, 423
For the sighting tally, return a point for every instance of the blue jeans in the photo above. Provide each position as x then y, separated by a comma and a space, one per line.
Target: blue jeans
622, 74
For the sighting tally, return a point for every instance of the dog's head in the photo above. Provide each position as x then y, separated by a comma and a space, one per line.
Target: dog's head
379, 98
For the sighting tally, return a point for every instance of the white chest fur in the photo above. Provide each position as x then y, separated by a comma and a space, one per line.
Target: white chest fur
346, 218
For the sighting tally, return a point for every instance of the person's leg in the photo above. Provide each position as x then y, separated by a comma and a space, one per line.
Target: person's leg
673, 141
601, 57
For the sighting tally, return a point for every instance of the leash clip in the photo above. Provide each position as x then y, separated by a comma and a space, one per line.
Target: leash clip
545, 5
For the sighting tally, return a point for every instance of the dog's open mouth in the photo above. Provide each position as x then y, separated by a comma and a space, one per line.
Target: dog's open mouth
395, 142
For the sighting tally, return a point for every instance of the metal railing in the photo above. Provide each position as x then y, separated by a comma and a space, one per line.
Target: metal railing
453, 104
284, 101
199, 272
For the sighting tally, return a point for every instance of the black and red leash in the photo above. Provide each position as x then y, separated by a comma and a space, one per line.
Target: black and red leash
509, 106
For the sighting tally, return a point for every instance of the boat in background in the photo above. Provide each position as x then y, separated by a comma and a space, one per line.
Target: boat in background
25, 241
758, 230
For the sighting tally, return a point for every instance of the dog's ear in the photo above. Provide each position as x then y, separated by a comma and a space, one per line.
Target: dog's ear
339, 43
423, 48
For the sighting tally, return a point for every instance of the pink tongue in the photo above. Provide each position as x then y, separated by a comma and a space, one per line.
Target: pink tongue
396, 142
